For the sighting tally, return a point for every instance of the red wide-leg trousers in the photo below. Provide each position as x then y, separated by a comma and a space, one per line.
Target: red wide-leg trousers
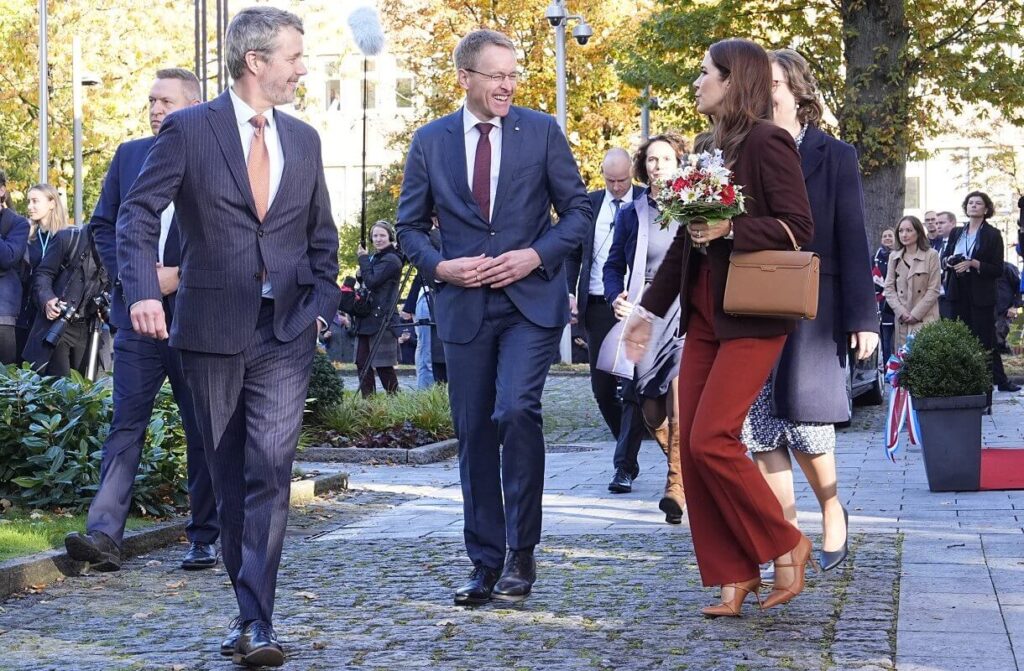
735, 520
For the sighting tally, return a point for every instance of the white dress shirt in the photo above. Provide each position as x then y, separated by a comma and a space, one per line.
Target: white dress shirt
165, 228
469, 122
603, 235
243, 113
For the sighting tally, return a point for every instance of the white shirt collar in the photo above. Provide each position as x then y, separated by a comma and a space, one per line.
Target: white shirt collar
243, 112
470, 121
628, 198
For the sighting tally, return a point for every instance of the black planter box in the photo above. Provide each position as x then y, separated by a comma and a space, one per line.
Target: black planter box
951, 441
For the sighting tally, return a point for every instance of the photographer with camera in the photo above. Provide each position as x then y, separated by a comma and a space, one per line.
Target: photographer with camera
974, 259
70, 286
380, 273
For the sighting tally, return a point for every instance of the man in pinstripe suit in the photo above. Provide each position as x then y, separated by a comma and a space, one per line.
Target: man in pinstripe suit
258, 275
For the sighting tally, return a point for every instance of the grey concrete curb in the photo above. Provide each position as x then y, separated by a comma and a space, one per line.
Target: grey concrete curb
425, 454
21, 573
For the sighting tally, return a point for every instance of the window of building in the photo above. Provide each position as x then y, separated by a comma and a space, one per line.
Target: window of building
912, 198
332, 95
403, 92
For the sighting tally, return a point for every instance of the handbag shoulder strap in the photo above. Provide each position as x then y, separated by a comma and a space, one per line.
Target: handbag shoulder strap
792, 239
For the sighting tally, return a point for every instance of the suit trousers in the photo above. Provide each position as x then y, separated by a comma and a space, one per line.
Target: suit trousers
8, 344
249, 406
598, 320
631, 432
735, 520
495, 387
142, 366
424, 367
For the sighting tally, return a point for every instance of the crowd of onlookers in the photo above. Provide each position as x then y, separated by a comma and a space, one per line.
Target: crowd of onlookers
53, 287
938, 269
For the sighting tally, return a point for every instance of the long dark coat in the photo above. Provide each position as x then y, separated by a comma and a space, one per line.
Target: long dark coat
810, 379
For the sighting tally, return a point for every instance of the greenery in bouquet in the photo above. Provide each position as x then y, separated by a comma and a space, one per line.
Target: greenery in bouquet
700, 190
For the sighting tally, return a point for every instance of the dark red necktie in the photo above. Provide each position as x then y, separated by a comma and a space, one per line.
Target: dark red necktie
482, 171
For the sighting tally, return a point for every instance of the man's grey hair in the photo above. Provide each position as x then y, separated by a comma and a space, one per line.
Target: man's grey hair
189, 82
467, 51
255, 29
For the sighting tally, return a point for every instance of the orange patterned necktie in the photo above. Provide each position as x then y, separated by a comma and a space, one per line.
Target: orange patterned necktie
259, 166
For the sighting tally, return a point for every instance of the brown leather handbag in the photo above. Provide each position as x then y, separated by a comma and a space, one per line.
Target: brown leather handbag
773, 283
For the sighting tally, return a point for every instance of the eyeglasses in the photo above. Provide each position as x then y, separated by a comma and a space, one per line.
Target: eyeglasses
497, 77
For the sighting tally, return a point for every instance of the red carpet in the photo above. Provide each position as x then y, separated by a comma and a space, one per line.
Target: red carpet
1002, 468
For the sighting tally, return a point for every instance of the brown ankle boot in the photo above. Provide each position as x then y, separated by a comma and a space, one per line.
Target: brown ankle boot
673, 502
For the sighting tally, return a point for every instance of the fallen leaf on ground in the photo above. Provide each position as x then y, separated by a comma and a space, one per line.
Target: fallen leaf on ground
319, 645
307, 595
154, 562
175, 585
140, 616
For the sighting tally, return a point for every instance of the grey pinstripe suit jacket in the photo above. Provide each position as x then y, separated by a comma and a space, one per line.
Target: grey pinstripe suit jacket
197, 161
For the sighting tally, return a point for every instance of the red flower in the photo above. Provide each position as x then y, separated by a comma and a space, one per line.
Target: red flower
728, 195
679, 184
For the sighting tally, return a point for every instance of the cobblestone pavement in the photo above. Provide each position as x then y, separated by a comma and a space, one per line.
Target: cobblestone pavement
367, 578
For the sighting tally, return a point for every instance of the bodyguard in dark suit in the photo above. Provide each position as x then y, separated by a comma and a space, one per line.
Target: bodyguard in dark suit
143, 363
586, 287
494, 172
14, 230
258, 273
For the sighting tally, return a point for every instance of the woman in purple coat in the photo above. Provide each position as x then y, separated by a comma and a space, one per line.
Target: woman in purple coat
807, 392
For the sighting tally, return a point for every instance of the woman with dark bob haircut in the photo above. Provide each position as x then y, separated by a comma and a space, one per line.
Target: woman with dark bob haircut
638, 248
975, 255
735, 519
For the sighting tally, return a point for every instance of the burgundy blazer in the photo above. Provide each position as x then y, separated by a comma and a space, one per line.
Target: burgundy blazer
768, 168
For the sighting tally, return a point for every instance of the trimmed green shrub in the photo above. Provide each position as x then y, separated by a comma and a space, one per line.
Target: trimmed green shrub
946, 359
51, 434
353, 416
325, 385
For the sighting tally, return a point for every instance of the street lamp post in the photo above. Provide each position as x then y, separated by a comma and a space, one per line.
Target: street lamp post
558, 17
44, 98
79, 79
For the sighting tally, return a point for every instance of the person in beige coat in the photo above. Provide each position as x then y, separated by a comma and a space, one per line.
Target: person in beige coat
912, 281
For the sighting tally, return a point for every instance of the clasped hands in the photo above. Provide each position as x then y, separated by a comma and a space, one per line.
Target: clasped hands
495, 272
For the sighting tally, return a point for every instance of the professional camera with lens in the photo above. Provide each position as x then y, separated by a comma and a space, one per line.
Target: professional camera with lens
955, 259
60, 324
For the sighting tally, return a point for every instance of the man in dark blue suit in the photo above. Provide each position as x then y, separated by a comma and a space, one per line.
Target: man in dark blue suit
258, 276
143, 364
493, 172
584, 273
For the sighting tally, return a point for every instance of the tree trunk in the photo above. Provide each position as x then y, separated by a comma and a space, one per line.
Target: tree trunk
876, 113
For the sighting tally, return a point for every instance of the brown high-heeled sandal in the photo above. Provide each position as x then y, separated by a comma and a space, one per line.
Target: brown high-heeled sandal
732, 607
800, 556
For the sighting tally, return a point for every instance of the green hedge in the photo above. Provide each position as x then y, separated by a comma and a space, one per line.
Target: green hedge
946, 359
51, 434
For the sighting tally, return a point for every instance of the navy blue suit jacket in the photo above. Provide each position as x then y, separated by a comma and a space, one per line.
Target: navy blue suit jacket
14, 230
623, 249
198, 162
537, 172
578, 264
121, 175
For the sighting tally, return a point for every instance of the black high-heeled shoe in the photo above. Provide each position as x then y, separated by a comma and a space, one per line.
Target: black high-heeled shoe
830, 560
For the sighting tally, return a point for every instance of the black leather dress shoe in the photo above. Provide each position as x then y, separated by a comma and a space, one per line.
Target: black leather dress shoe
227, 646
830, 560
96, 548
622, 483
1008, 386
518, 577
199, 556
258, 646
478, 588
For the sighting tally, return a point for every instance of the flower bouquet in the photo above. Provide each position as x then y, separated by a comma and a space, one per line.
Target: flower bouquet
700, 191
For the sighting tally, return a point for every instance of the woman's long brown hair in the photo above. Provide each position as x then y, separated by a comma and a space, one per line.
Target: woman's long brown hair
748, 100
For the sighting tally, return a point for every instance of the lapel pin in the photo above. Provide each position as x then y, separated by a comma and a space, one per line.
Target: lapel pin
516, 128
